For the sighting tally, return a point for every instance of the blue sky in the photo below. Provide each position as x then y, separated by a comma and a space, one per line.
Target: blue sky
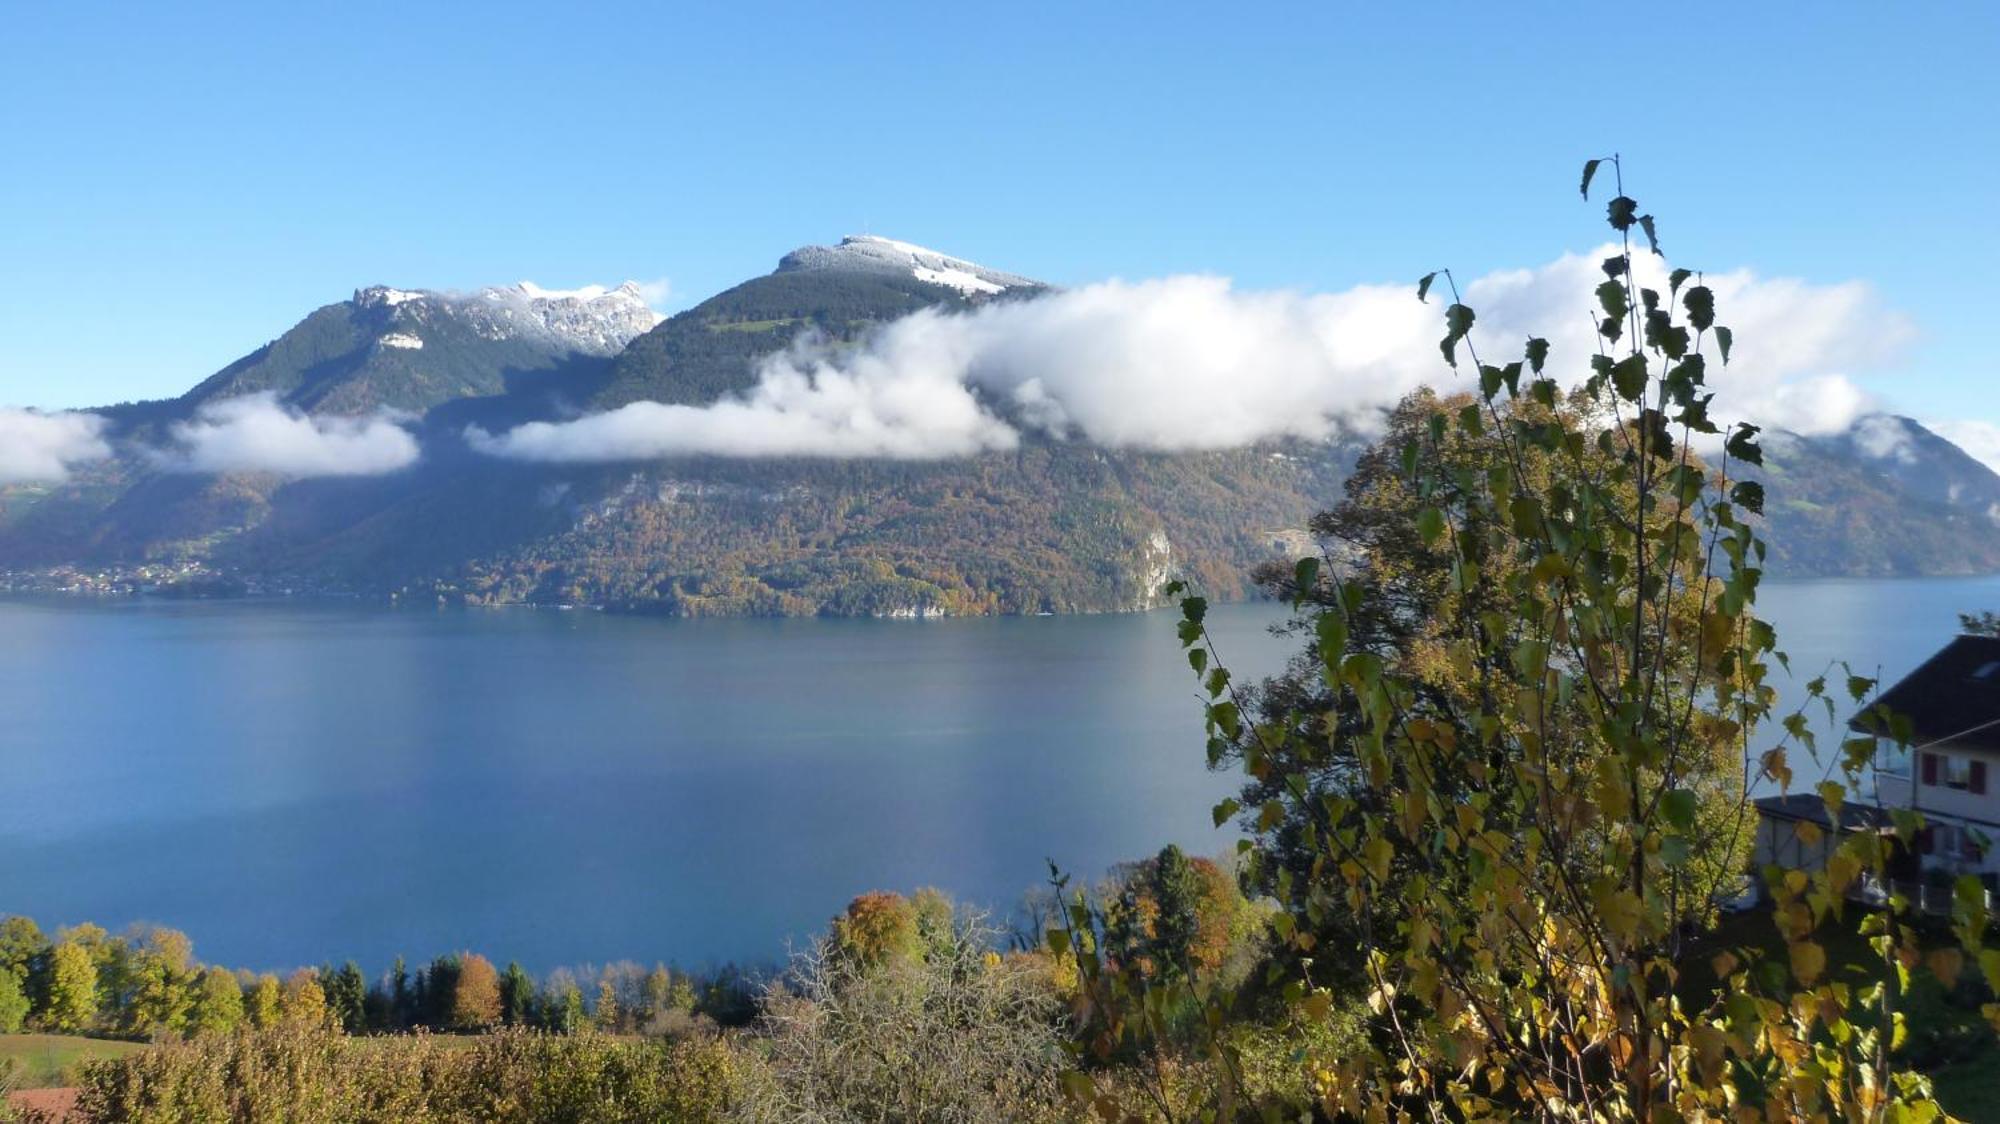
184, 182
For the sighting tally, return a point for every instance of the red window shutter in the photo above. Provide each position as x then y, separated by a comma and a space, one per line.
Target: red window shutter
1930, 768
1979, 778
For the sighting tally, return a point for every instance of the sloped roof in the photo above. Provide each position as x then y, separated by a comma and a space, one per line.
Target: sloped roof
1855, 815
1954, 696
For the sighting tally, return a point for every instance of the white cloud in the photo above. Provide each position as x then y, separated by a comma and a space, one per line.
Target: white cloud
1191, 362
1979, 439
253, 433
44, 447
655, 293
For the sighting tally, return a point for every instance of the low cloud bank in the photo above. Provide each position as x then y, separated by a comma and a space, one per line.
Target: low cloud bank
1191, 362
40, 447
254, 433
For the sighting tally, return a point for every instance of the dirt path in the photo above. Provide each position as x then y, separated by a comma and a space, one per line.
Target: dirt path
52, 1104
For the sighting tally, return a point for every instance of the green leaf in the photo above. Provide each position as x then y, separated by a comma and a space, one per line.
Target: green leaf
1194, 609
1743, 446
1677, 278
1629, 377
1749, 495
1723, 338
1457, 323
1678, 806
1674, 851
1305, 575
1700, 305
1430, 525
1652, 236
1611, 295
1589, 170
1621, 213
1424, 286
1225, 811
1198, 659
1332, 630
1538, 353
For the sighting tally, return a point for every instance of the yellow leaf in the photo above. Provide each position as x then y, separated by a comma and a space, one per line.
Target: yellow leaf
1808, 961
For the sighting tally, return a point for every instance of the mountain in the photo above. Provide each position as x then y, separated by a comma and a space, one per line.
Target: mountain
1051, 526
410, 350
837, 292
1884, 497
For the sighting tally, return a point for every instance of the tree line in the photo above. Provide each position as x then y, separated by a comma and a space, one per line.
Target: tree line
146, 984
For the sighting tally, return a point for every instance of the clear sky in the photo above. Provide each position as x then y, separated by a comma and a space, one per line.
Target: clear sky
180, 183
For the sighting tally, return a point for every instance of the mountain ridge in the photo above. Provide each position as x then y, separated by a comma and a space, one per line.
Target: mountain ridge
1051, 526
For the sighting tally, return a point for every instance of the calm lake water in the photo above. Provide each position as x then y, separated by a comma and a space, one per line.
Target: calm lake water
290, 783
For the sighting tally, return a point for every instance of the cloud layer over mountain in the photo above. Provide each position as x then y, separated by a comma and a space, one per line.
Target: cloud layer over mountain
1191, 362
35, 446
253, 433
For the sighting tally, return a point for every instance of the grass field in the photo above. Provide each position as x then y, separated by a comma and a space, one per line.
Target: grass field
44, 1060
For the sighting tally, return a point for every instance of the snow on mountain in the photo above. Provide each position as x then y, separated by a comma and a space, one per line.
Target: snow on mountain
593, 320
867, 253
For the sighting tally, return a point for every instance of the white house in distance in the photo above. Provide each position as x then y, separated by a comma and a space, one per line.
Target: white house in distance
1950, 772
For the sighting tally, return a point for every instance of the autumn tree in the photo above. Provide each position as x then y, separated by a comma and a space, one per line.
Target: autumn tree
218, 1002
71, 1004
1514, 772
876, 927
266, 1004
475, 999
13, 1002
305, 1000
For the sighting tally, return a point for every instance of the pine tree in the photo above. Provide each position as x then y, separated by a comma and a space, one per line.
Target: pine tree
402, 1002
517, 995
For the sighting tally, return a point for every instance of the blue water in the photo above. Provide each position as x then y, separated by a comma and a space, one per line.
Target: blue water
289, 783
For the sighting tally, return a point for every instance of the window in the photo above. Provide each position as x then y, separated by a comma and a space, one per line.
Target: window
1965, 774
1957, 773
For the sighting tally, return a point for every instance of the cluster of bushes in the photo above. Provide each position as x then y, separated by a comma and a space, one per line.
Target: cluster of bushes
909, 1008
146, 984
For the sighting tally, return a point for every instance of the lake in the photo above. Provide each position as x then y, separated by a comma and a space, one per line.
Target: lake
295, 782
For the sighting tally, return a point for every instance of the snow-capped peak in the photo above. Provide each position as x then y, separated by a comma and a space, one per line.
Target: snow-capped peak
594, 319
875, 254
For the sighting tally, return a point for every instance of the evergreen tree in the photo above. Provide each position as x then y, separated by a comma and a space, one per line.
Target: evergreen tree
1177, 896
402, 1001
517, 996
346, 996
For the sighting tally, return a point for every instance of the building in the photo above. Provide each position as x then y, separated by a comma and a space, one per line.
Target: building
1951, 770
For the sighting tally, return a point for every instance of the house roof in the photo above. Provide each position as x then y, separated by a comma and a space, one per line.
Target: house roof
1855, 815
1954, 696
